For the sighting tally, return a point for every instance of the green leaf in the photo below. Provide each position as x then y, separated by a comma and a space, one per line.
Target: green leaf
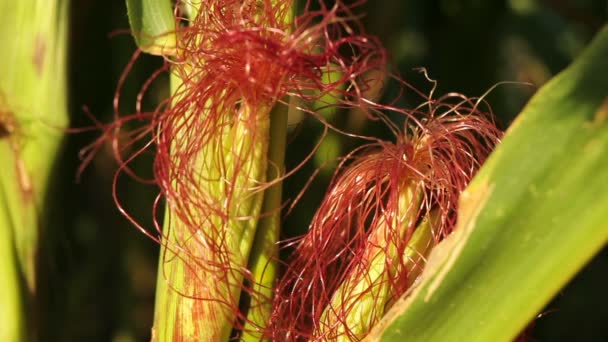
533, 216
153, 25
33, 114
11, 288
33, 117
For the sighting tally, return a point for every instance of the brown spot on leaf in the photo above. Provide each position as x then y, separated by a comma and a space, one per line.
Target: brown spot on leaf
23, 177
39, 54
7, 121
601, 114
8, 129
4, 130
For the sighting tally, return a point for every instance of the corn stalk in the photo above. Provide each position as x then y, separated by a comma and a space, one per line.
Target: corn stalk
33, 116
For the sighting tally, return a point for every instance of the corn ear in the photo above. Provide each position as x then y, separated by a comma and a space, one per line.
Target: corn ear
193, 301
361, 299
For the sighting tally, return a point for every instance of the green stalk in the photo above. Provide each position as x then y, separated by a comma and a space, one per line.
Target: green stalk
263, 259
262, 263
11, 288
33, 115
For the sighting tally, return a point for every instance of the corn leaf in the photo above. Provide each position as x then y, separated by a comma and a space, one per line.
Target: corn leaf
33, 116
153, 25
533, 216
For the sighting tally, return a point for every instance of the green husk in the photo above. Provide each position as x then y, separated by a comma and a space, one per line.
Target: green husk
188, 290
263, 262
366, 296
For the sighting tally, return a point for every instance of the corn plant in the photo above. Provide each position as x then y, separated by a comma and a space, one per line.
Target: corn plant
33, 118
445, 229
402, 246
230, 65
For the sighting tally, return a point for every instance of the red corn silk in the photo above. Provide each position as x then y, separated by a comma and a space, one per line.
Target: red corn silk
436, 155
234, 61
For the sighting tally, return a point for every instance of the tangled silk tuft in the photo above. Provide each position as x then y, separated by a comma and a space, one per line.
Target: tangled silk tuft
366, 242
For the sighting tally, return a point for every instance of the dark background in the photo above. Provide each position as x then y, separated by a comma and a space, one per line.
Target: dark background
100, 272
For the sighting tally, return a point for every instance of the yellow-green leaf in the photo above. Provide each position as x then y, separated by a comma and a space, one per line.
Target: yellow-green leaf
533, 216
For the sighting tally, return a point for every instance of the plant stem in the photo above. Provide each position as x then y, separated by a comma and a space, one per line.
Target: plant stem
11, 294
262, 263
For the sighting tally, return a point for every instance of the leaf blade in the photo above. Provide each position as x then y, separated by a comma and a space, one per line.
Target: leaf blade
152, 25
544, 218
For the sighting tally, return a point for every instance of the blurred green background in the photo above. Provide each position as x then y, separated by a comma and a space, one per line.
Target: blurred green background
99, 272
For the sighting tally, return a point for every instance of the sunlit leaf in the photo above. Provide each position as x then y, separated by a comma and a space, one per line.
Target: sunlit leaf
535, 214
